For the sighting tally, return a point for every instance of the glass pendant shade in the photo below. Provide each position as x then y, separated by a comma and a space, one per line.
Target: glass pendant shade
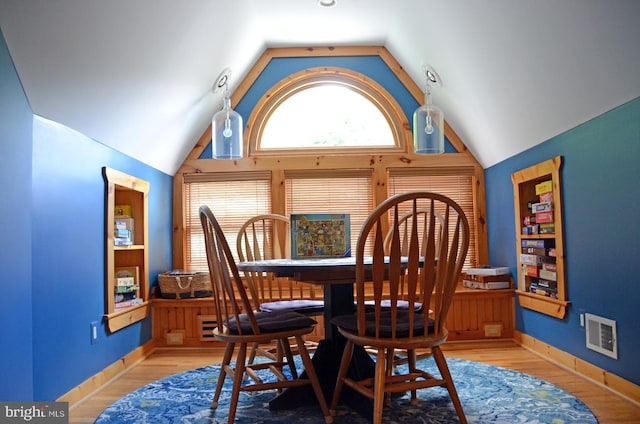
428, 129
226, 128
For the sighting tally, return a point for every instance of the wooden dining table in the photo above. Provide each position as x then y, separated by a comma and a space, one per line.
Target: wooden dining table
337, 276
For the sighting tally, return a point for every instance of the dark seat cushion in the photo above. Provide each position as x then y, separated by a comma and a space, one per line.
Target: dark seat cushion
271, 322
386, 304
350, 323
303, 306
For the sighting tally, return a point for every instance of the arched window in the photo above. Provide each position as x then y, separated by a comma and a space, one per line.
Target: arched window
322, 109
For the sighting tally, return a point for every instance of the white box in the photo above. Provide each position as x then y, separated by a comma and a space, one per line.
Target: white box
489, 285
542, 207
501, 270
529, 259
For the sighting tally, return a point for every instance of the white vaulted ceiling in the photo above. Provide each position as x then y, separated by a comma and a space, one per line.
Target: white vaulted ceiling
136, 75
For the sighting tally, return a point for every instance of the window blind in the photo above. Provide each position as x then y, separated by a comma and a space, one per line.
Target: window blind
232, 197
455, 183
331, 191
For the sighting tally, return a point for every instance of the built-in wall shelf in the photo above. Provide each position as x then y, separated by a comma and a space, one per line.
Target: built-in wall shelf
537, 194
126, 249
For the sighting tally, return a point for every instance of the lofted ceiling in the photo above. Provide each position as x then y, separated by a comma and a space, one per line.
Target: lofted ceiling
137, 75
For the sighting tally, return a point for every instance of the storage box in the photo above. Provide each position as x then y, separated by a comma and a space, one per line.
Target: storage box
123, 231
544, 217
544, 187
538, 251
547, 275
546, 197
530, 270
538, 243
541, 207
489, 271
122, 210
489, 285
529, 259
547, 228
547, 285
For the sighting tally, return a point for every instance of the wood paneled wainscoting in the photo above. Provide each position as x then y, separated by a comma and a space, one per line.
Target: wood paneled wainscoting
475, 315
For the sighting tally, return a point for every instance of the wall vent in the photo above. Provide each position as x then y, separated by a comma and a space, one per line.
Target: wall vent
206, 324
601, 335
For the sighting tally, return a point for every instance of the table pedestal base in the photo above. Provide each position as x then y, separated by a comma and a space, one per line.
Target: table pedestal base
326, 361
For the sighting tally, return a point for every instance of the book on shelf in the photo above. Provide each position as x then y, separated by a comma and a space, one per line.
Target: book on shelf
541, 207
126, 275
538, 251
529, 259
544, 284
127, 303
544, 217
544, 187
547, 275
544, 292
540, 243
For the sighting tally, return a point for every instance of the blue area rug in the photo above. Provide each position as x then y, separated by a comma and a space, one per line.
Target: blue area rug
488, 394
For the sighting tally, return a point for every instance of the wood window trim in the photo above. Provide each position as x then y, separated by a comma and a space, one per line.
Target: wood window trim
325, 76
378, 163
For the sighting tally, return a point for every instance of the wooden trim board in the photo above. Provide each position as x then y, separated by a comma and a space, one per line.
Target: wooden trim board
96, 382
603, 378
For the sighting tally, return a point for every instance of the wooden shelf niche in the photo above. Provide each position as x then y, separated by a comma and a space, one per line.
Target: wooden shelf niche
126, 249
539, 238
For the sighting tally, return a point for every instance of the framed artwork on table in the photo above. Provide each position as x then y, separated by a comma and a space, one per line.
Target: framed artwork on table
320, 235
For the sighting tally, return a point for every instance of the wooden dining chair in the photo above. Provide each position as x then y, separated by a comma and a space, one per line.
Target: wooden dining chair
237, 324
268, 236
430, 272
405, 227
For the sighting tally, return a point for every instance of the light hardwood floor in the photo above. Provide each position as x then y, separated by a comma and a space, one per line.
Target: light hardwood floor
607, 406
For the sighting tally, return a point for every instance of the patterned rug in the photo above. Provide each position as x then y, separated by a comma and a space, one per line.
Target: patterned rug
489, 394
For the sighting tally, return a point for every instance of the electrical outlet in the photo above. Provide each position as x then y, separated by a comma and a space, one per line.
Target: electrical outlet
581, 312
94, 332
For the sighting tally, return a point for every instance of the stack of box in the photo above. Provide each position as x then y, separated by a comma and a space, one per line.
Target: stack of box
538, 262
487, 278
123, 226
541, 220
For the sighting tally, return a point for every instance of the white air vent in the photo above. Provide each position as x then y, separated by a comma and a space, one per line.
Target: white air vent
601, 335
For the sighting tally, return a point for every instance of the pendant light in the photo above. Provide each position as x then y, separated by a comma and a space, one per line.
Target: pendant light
226, 125
428, 120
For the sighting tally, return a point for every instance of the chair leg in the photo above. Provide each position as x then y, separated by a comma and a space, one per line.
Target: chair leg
226, 359
286, 349
315, 382
389, 370
446, 375
342, 373
411, 360
378, 385
237, 382
254, 350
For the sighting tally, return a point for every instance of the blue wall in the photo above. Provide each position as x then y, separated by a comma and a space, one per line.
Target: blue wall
15, 255
371, 66
601, 202
56, 207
